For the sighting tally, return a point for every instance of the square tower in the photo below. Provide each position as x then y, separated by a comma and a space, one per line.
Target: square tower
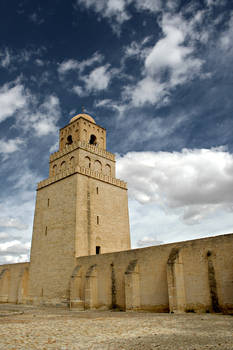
81, 209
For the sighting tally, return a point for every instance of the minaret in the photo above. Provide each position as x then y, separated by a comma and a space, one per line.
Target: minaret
81, 209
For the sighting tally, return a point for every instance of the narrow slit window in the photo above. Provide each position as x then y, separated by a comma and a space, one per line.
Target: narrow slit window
98, 220
46, 231
98, 249
48, 202
97, 190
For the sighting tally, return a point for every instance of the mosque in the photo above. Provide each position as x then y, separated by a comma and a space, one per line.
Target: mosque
81, 256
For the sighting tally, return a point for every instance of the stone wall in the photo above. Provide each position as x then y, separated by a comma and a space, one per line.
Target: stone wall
192, 276
14, 283
53, 241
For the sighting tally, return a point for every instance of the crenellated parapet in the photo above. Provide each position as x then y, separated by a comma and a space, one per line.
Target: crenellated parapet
85, 146
84, 171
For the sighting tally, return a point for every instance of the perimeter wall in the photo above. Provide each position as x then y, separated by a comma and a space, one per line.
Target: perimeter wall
192, 276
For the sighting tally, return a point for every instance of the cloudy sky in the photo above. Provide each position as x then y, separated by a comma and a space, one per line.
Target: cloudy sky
156, 74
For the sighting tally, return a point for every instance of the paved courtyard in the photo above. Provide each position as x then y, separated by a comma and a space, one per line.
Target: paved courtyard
28, 328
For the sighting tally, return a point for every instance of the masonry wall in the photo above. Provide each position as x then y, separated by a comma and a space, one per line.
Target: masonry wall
101, 217
14, 283
53, 241
192, 276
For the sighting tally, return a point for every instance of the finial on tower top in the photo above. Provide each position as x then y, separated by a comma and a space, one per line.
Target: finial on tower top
83, 109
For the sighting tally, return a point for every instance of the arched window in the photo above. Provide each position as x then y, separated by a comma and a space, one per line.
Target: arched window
98, 166
63, 166
69, 140
93, 140
87, 163
108, 169
72, 161
54, 172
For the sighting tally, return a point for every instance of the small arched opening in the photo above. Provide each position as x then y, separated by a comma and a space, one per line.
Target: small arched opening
87, 163
93, 140
98, 166
72, 161
108, 169
54, 170
69, 140
77, 288
91, 288
63, 166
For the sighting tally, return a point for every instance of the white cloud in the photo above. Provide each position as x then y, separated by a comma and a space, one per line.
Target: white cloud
152, 221
151, 5
54, 147
227, 35
10, 146
5, 59
12, 98
39, 62
98, 79
170, 55
17, 204
12, 223
147, 90
47, 118
136, 49
168, 51
78, 90
68, 65
112, 105
42, 118
148, 241
14, 251
72, 64
197, 181
115, 10
9, 259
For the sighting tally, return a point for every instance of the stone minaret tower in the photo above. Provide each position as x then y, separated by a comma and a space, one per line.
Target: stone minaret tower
81, 209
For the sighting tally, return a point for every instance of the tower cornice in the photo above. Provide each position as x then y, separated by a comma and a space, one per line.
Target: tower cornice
84, 171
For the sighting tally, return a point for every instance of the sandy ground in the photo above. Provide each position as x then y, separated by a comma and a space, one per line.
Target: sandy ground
28, 328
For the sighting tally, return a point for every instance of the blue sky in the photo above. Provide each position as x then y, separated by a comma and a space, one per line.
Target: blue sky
156, 74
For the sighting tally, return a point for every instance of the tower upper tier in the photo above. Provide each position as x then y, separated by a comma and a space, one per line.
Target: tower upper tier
82, 127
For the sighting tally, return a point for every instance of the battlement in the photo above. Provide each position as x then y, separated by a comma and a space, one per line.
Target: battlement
83, 171
84, 145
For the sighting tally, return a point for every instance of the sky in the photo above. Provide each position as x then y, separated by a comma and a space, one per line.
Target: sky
156, 74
